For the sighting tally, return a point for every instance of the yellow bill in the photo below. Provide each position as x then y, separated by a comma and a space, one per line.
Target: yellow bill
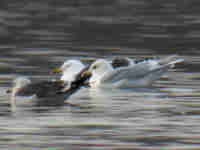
56, 70
9, 90
86, 74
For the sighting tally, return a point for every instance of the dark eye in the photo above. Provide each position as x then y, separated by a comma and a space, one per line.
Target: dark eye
95, 67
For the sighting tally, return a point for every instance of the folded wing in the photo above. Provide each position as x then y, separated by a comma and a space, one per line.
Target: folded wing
141, 70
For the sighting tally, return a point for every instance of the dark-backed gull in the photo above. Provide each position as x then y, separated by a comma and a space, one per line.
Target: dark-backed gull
45, 93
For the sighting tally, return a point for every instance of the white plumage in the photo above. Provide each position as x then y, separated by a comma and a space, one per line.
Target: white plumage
69, 70
134, 75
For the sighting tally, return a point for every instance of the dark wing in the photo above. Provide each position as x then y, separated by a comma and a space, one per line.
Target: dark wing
42, 89
120, 62
53, 88
80, 80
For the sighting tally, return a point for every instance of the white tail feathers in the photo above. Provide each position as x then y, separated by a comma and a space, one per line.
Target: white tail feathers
171, 60
180, 60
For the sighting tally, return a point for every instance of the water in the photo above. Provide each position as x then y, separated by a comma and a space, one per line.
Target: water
38, 36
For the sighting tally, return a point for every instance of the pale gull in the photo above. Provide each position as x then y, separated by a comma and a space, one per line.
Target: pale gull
136, 74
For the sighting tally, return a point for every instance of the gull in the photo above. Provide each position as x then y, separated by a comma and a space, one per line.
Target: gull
44, 93
135, 74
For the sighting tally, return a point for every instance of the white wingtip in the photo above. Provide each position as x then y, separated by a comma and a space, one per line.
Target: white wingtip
178, 61
171, 60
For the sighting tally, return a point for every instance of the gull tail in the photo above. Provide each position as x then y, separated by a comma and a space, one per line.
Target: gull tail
171, 61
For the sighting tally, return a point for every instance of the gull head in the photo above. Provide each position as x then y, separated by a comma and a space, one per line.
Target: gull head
100, 66
69, 69
97, 70
18, 84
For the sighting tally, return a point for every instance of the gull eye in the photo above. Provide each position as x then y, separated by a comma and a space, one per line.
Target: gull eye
66, 66
94, 67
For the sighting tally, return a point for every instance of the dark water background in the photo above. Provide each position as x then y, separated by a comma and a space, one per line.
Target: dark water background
36, 36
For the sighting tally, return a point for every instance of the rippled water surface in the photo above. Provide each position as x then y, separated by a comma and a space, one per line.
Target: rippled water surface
38, 36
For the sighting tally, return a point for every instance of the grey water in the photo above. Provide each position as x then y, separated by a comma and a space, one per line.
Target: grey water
37, 36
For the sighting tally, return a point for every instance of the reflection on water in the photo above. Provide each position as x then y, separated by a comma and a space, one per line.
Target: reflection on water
37, 36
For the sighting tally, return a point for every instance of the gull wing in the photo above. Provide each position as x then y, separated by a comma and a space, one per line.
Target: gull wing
134, 72
42, 89
54, 88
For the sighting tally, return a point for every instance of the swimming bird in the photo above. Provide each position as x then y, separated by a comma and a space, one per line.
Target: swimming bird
45, 93
141, 74
69, 70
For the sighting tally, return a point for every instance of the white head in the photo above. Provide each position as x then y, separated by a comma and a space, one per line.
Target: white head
18, 83
98, 69
70, 69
